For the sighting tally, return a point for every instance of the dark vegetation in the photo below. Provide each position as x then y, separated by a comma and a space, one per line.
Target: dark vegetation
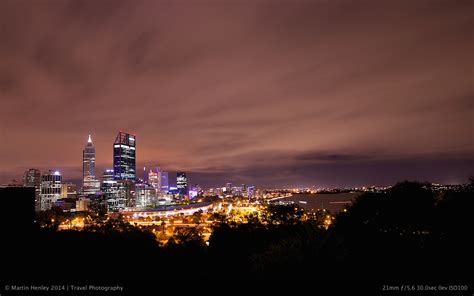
406, 233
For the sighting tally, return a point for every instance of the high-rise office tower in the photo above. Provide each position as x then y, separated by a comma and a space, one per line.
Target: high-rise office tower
145, 195
114, 191
50, 189
88, 159
90, 184
154, 179
108, 183
182, 183
228, 188
164, 181
32, 178
124, 157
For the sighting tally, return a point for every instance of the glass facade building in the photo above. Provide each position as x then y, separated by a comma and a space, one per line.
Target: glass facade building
154, 179
114, 191
145, 196
164, 181
32, 178
124, 157
182, 183
50, 189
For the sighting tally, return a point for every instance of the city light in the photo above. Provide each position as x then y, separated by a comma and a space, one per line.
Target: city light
296, 143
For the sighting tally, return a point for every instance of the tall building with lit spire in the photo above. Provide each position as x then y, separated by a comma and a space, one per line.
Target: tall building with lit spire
90, 184
88, 159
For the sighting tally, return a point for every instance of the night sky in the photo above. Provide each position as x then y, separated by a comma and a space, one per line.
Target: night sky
260, 92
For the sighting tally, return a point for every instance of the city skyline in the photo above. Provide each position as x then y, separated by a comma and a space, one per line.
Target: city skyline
147, 142
91, 166
307, 93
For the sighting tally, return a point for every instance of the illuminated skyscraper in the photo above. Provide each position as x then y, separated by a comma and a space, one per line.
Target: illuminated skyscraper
90, 184
88, 159
108, 183
124, 157
182, 183
50, 189
228, 188
32, 178
154, 179
145, 195
114, 191
164, 181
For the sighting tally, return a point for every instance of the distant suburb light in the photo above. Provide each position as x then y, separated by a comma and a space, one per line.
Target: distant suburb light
57, 173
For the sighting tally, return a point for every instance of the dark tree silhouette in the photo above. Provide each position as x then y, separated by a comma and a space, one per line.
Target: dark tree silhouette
409, 232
